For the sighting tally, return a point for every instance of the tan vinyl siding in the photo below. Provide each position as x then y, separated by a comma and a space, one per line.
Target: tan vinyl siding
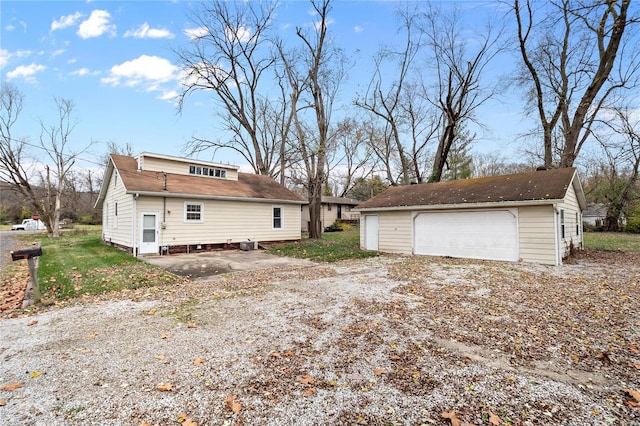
537, 233
329, 216
118, 232
571, 207
223, 221
182, 167
395, 232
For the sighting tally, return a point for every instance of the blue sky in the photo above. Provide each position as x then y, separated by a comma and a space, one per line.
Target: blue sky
114, 59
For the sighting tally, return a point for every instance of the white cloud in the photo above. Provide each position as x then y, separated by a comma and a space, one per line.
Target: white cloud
171, 95
194, 33
57, 52
358, 29
80, 72
4, 57
9, 27
144, 31
96, 25
26, 72
147, 71
241, 34
65, 21
328, 22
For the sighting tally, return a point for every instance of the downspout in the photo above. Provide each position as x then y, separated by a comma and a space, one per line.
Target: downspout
134, 218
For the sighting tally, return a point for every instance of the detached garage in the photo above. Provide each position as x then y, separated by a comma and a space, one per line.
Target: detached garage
533, 217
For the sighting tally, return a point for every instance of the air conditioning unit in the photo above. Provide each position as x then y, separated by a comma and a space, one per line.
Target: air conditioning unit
248, 245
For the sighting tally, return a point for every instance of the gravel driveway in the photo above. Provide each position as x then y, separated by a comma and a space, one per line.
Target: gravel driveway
382, 341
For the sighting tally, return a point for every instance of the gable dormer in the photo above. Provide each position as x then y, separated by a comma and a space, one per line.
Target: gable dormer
186, 166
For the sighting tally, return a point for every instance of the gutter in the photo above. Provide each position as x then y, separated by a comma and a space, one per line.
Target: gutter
215, 197
461, 206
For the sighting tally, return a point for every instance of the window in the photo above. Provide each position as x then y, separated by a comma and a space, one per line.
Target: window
577, 226
329, 207
115, 215
193, 212
207, 171
562, 223
277, 218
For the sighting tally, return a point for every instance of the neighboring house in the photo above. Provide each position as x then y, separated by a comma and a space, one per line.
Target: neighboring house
333, 208
533, 217
595, 214
158, 204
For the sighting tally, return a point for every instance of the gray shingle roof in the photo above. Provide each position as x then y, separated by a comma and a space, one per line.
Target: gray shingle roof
534, 186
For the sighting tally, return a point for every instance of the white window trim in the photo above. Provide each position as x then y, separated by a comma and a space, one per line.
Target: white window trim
273, 218
184, 217
115, 214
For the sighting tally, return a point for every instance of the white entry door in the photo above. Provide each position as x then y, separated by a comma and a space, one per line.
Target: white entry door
491, 235
148, 233
371, 232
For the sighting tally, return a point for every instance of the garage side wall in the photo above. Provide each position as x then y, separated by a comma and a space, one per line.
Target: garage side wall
537, 234
572, 222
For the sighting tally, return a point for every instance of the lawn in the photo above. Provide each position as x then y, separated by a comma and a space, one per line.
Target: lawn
333, 246
629, 243
82, 264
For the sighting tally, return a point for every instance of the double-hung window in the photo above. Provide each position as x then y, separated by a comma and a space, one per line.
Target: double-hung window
277, 218
193, 212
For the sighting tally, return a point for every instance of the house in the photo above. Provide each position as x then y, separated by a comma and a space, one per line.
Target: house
595, 214
332, 209
158, 204
533, 217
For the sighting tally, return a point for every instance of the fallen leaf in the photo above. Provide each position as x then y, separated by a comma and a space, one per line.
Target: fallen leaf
192, 325
11, 386
634, 394
160, 357
307, 380
164, 387
3, 402
309, 392
35, 374
288, 352
92, 335
395, 358
34, 322
182, 417
395, 316
189, 422
635, 365
455, 421
198, 361
532, 331
165, 335
231, 402
145, 424
494, 420
152, 311
633, 348
379, 371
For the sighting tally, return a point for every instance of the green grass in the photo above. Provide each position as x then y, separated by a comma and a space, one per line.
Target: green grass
629, 243
333, 246
71, 266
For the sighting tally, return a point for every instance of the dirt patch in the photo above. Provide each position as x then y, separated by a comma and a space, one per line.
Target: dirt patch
388, 340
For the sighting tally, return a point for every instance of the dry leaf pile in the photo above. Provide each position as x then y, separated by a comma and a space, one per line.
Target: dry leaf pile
382, 341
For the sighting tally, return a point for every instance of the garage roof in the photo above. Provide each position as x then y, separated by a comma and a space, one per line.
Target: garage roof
518, 188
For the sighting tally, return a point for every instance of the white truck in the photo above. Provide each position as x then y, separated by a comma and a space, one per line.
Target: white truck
29, 225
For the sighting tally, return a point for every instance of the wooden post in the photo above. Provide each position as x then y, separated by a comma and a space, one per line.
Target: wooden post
32, 293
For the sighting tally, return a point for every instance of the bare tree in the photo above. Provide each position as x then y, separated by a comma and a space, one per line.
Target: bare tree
569, 53
352, 156
54, 141
385, 100
314, 73
619, 176
230, 57
460, 65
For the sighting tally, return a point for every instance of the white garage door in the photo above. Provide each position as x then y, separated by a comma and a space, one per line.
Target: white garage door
491, 235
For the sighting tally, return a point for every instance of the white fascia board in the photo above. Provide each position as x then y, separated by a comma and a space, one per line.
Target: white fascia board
214, 197
493, 204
